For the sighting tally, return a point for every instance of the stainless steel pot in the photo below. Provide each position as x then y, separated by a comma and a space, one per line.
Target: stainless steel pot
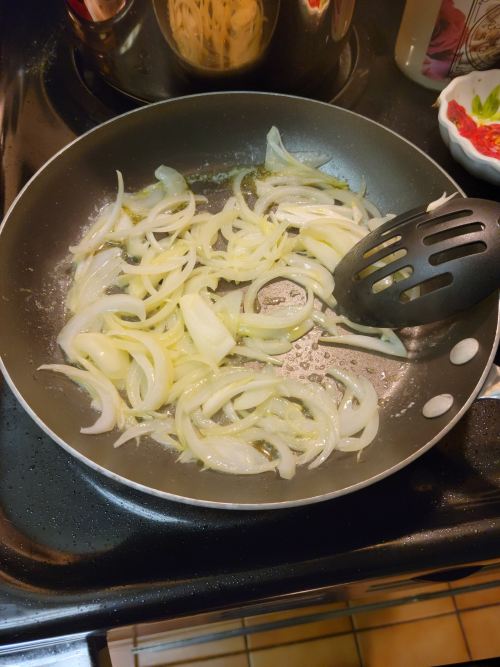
155, 49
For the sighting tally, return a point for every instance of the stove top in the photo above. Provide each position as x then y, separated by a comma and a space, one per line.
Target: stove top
78, 551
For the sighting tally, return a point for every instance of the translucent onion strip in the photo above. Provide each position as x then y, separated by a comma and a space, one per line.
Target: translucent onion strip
166, 333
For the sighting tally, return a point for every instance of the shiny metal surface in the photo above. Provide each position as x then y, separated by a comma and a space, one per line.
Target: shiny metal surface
153, 49
491, 388
97, 10
207, 635
220, 130
82, 650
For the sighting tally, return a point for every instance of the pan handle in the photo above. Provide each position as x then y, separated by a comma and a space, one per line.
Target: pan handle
491, 388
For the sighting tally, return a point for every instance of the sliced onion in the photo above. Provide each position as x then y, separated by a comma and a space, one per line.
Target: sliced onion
169, 341
93, 277
101, 389
290, 319
161, 376
173, 182
104, 224
367, 343
164, 425
109, 359
209, 334
88, 318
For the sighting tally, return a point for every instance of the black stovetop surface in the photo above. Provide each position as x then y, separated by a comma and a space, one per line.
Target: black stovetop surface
79, 552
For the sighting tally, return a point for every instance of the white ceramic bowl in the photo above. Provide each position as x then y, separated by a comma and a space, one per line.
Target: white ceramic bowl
463, 89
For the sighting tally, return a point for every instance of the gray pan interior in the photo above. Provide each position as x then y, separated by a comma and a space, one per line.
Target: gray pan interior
210, 133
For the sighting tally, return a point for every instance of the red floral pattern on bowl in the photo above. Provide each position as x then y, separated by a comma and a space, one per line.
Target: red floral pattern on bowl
473, 140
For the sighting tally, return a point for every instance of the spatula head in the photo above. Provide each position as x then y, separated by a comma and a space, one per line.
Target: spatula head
422, 267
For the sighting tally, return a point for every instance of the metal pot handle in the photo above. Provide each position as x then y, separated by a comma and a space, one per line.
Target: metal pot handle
491, 388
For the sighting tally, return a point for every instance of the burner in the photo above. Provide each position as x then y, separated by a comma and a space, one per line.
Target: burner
78, 95
351, 76
114, 99
83, 98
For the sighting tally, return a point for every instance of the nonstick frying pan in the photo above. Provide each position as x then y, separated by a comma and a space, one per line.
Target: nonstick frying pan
209, 134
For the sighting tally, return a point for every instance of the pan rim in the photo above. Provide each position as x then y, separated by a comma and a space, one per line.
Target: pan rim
173, 100
218, 504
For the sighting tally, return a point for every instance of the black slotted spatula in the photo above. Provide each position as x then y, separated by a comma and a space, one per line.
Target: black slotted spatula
422, 267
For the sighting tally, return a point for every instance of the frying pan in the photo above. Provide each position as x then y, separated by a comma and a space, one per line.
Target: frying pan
209, 134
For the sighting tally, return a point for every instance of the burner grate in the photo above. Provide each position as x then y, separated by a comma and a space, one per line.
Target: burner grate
83, 98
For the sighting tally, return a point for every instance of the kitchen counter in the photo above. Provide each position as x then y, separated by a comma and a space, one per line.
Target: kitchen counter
79, 552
